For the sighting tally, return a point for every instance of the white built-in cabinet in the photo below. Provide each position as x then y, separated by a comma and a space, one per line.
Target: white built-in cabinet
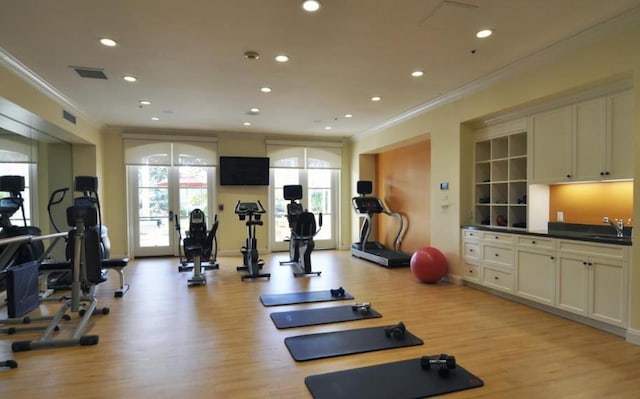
585, 141
580, 277
536, 269
500, 176
592, 280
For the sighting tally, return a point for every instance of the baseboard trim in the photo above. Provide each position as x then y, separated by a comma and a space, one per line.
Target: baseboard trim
454, 279
633, 336
619, 331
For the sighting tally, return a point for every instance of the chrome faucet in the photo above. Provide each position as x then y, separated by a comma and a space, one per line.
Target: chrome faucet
618, 225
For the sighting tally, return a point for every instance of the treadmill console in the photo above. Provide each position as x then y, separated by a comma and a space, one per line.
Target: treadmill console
368, 205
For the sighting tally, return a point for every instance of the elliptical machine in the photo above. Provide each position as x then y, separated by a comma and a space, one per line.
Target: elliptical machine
88, 187
199, 244
303, 229
251, 262
23, 252
87, 273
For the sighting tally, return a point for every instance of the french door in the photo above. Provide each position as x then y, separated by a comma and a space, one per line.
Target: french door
157, 195
320, 193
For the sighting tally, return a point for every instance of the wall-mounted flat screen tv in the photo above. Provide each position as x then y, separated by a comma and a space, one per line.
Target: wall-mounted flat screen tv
244, 171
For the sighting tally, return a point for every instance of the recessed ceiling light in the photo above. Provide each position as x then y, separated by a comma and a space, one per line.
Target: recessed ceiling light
145, 102
247, 123
265, 89
105, 41
311, 5
155, 118
129, 78
255, 110
282, 58
348, 116
417, 74
484, 33
376, 98
327, 128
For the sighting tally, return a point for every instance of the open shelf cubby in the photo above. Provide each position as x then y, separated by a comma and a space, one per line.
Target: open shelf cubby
500, 178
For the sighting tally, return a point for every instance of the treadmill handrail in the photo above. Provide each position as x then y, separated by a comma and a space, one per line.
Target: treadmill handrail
359, 204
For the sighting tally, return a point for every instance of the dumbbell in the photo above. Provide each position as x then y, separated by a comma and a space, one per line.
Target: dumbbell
444, 362
337, 293
12, 364
396, 331
362, 308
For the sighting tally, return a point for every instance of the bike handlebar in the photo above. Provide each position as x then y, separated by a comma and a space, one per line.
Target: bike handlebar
249, 208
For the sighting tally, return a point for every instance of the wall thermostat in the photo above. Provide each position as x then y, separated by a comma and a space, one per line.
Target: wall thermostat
444, 186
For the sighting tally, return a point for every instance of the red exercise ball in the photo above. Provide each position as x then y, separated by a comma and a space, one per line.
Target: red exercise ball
428, 265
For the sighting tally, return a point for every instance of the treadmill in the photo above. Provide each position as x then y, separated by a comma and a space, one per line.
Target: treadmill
366, 207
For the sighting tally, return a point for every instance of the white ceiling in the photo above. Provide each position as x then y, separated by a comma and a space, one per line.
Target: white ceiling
188, 56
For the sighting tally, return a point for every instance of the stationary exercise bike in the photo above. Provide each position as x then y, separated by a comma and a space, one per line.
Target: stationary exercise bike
251, 263
303, 229
199, 245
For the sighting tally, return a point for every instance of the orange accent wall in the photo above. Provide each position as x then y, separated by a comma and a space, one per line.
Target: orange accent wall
403, 181
588, 203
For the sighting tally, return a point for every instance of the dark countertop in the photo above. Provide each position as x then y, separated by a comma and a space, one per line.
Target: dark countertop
590, 233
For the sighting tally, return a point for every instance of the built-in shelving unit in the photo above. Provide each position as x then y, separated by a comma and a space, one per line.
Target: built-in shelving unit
501, 181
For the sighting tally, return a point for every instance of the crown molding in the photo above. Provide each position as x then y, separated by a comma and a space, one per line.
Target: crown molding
611, 26
14, 65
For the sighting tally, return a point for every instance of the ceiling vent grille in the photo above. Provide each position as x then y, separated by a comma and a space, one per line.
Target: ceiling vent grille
90, 73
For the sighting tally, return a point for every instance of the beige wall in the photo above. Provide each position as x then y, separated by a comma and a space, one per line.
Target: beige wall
26, 96
595, 64
232, 232
574, 71
403, 179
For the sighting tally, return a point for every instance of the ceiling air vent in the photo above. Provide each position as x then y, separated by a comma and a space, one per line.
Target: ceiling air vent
90, 73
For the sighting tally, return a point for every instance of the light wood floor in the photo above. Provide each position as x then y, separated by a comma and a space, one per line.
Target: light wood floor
165, 340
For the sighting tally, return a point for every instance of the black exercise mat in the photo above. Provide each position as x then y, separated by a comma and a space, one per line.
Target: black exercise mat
301, 297
338, 343
310, 317
399, 380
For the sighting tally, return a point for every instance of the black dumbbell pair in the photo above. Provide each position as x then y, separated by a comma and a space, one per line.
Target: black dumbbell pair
396, 331
444, 362
362, 308
337, 293
12, 364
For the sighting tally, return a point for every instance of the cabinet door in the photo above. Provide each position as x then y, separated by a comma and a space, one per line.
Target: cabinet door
536, 276
589, 142
572, 284
551, 134
619, 154
607, 301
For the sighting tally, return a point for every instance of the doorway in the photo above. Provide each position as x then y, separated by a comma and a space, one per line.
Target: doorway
162, 192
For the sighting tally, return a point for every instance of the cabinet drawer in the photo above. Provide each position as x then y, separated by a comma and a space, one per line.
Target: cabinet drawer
472, 250
498, 279
471, 272
506, 239
471, 235
617, 252
535, 242
498, 256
